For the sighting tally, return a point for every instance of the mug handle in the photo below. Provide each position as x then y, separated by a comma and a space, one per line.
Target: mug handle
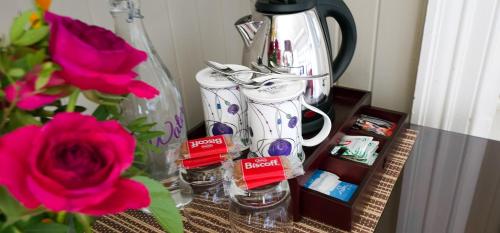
325, 131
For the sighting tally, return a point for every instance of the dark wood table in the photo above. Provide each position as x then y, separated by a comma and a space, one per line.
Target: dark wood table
451, 183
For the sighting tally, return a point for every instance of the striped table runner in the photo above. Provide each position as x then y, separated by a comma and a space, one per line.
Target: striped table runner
209, 218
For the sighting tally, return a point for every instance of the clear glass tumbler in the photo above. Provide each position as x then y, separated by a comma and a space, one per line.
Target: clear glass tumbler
207, 184
264, 209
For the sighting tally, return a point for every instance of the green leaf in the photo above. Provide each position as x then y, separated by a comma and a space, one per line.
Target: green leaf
20, 118
149, 135
136, 123
57, 90
5, 63
21, 63
36, 58
12, 209
83, 223
101, 113
151, 147
9, 229
133, 171
144, 127
46, 228
44, 76
16, 73
79, 108
104, 99
2, 94
63, 108
115, 112
162, 205
18, 26
140, 157
32, 36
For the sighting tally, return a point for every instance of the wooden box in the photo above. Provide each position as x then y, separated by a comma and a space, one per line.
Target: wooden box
309, 203
348, 105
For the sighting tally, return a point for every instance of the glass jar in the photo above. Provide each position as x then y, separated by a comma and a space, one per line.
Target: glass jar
207, 184
166, 109
264, 209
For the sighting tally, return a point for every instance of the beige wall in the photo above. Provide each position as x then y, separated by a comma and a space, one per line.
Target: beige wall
187, 32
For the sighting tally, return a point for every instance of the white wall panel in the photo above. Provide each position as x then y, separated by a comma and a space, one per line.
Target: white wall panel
211, 20
185, 25
187, 32
158, 25
232, 11
495, 130
458, 76
79, 9
397, 51
360, 72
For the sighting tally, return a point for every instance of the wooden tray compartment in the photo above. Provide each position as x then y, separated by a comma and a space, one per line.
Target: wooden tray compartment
330, 210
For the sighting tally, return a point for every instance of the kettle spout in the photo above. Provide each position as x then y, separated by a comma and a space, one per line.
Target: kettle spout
247, 28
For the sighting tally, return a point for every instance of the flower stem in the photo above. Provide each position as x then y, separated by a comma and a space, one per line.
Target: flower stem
61, 217
9, 110
72, 101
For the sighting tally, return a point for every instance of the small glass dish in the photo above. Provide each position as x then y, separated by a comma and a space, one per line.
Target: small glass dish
207, 184
263, 209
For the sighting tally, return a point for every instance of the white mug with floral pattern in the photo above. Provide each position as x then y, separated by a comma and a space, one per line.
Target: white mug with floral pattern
275, 124
224, 107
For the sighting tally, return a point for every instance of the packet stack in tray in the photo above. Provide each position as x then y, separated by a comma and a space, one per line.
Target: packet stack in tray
257, 172
375, 125
330, 184
208, 151
361, 149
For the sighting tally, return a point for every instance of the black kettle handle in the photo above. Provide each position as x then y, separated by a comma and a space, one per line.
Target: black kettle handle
341, 13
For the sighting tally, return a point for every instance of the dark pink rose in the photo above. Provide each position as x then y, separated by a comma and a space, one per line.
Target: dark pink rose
93, 58
26, 95
73, 163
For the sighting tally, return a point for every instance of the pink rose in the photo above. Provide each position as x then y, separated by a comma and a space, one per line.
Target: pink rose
93, 58
26, 95
73, 163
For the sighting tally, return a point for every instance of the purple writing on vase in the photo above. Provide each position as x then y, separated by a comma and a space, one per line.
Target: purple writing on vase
173, 130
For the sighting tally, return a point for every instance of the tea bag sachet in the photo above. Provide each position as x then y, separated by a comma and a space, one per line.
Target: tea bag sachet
357, 148
330, 184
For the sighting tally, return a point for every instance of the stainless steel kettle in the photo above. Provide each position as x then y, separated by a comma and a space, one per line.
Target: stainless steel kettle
292, 36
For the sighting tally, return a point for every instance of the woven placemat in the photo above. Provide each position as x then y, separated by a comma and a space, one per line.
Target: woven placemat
209, 218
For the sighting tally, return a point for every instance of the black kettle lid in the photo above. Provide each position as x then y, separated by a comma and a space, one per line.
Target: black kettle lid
283, 6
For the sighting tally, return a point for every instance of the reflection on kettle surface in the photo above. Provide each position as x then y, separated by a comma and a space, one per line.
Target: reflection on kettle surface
292, 43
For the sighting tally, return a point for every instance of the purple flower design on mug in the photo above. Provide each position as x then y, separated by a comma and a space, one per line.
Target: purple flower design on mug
221, 128
292, 122
233, 109
280, 147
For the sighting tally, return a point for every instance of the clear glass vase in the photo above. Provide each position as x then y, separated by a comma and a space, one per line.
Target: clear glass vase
166, 110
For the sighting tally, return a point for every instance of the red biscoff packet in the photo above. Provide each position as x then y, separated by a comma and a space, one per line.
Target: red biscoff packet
256, 172
203, 161
200, 147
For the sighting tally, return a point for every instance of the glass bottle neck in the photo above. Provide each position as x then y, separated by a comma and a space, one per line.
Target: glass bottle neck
128, 23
